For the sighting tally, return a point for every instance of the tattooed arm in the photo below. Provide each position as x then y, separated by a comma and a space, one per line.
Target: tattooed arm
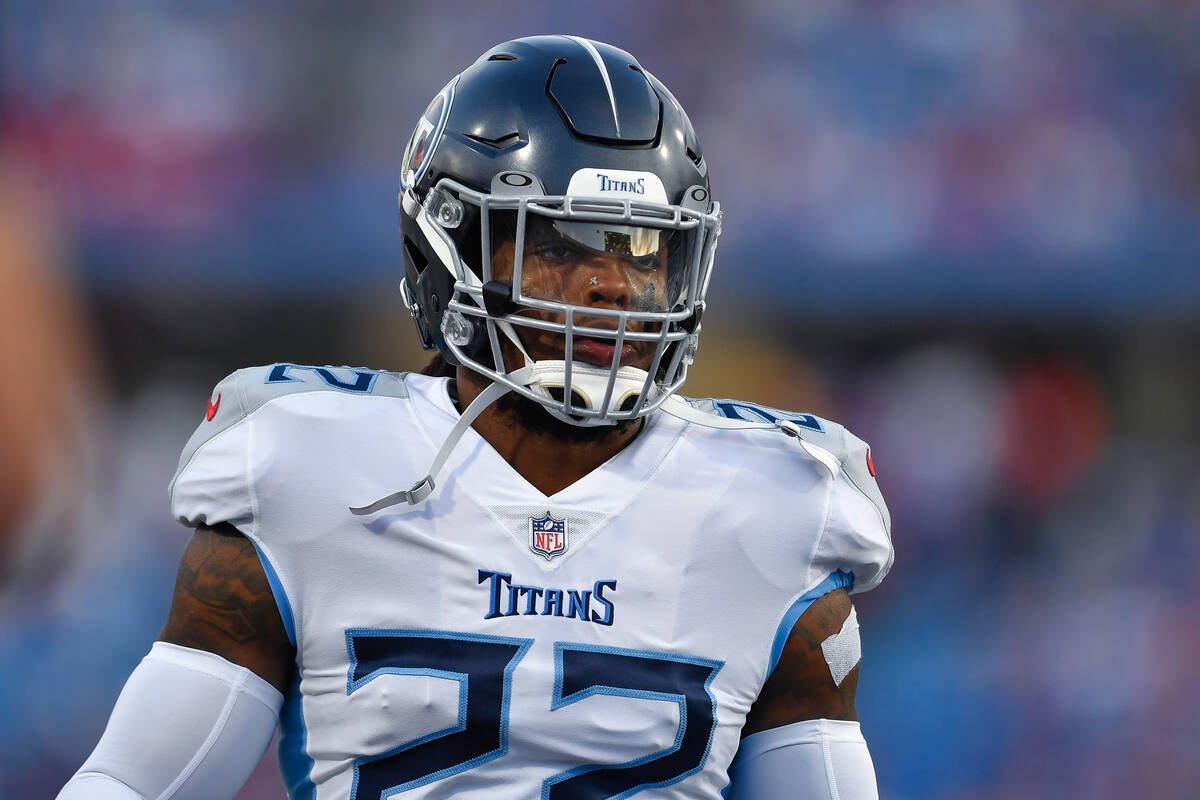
223, 604
196, 715
801, 737
802, 686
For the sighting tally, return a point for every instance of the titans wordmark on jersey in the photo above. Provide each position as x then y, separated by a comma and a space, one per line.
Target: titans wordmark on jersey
605, 641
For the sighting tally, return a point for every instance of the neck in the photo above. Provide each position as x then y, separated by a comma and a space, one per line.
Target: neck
548, 460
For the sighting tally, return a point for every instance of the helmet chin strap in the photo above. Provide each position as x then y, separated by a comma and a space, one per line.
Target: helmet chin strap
540, 377
424, 487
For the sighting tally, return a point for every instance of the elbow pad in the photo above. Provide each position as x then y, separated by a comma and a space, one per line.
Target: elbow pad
188, 724
818, 758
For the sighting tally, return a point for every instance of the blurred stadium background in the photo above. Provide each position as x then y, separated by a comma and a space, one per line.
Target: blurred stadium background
968, 230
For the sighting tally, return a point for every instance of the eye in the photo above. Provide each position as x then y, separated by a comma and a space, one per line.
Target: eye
647, 263
556, 252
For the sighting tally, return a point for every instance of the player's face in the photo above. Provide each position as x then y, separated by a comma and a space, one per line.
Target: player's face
627, 270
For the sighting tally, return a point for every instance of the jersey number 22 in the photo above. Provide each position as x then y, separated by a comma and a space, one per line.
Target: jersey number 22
483, 667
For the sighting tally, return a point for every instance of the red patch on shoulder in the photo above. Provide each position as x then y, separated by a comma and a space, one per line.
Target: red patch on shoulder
213, 405
870, 463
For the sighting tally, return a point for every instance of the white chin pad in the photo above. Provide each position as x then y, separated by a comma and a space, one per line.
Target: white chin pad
588, 386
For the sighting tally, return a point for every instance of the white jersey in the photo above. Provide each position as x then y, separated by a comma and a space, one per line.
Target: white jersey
605, 641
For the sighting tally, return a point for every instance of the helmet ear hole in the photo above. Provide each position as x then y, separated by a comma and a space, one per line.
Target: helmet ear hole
415, 256
411, 290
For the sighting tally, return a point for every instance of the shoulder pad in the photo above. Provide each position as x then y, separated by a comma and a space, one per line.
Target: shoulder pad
851, 454
860, 470
257, 385
247, 390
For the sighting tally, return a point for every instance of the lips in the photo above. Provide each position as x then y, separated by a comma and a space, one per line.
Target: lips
594, 351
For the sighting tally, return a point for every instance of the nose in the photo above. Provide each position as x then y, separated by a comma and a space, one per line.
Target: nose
605, 282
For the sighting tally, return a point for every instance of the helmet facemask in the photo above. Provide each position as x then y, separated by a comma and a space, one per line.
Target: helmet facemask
588, 306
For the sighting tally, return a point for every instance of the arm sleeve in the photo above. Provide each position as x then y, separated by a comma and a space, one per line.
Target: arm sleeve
188, 724
818, 758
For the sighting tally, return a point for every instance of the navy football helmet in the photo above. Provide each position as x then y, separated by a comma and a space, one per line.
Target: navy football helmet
558, 229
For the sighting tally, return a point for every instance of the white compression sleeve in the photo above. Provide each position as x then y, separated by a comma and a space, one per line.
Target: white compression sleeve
188, 724
818, 758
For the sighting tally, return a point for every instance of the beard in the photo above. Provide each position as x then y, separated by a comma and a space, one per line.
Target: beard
534, 417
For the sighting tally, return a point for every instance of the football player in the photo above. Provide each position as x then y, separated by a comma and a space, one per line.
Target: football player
539, 572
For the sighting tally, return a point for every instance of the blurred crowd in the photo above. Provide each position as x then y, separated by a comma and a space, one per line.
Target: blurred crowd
968, 230
996, 153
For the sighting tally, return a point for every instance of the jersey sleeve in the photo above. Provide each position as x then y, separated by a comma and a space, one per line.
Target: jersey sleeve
212, 483
857, 537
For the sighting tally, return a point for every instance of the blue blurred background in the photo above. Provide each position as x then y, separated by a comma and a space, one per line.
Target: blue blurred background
968, 230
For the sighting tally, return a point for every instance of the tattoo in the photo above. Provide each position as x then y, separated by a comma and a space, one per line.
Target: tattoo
224, 604
647, 299
801, 687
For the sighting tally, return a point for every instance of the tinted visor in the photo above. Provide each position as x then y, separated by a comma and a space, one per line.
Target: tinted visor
597, 264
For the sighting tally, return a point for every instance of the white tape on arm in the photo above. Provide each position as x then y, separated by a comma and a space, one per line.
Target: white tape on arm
843, 649
817, 758
188, 724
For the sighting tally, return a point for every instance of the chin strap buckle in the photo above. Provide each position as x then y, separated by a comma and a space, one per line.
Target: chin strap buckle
419, 491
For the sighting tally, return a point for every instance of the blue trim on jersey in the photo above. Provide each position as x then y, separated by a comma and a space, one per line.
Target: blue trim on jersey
836, 580
281, 599
295, 763
460, 725
558, 700
462, 678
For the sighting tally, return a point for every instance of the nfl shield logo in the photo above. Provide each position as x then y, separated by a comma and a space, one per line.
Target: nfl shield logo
548, 536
